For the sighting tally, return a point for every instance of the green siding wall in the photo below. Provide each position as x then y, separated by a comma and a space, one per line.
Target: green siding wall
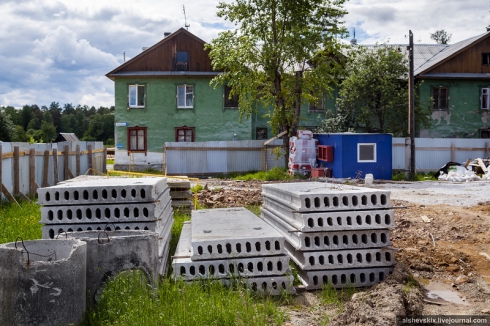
464, 118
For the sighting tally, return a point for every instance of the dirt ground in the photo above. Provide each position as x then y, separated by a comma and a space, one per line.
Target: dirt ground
444, 246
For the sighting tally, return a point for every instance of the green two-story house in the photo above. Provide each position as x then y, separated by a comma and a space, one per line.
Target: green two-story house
164, 95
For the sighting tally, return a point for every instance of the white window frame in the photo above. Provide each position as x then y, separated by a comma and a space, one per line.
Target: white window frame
134, 98
485, 93
359, 160
186, 94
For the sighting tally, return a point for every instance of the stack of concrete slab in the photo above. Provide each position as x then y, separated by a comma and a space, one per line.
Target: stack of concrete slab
336, 234
109, 204
230, 244
181, 193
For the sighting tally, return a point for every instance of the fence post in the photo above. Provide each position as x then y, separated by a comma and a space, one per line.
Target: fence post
32, 172
55, 166
16, 170
453, 152
78, 160
45, 169
90, 163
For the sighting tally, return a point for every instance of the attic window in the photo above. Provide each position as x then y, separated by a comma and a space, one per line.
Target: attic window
485, 59
182, 61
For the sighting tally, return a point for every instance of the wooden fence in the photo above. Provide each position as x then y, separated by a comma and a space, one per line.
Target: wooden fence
26, 167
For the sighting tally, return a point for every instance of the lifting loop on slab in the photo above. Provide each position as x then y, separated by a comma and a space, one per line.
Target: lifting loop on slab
107, 235
66, 234
22, 240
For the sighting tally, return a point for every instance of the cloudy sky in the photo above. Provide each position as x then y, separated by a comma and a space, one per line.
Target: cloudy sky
60, 51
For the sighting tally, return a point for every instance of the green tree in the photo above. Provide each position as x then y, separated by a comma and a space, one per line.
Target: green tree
7, 127
374, 95
283, 52
441, 37
47, 128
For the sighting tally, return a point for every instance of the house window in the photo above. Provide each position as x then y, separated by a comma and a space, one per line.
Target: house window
485, 98
184, 134
261, 133
485, 59
439, 98
182, 61
484, 133
366, 152
229, 102
137, 139
136, 96
185, 96
319, 105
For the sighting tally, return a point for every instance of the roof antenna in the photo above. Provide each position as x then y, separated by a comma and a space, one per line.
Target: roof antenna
185, 19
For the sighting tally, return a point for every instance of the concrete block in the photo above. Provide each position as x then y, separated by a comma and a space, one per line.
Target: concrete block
98, 191
339, 259
108, 213
332, 221
328, 240
319, 196
232, 233
340, 278
187, 269
42, 282
109, 253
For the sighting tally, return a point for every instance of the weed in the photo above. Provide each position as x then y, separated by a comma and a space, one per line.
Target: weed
412, 283
197, 188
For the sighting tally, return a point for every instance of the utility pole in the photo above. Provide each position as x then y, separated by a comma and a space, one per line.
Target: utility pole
411, 110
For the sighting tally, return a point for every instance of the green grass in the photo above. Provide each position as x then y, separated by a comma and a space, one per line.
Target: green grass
274, 174
19, 221
419, 176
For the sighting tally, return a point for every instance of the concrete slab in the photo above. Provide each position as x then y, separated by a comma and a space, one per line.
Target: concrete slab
332, 221
232, 233
341, 278
183, 266
109, 253
328, 240
319, 196
275, 285
42, 282
110, 190
340, 259
108, 213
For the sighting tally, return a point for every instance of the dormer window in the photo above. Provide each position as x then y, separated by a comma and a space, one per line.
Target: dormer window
485, 59
182, 61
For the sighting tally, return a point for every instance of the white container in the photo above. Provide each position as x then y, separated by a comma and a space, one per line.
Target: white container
368, 180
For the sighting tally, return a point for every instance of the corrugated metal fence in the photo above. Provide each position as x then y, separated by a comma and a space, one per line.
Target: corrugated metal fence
25, 167
220, 157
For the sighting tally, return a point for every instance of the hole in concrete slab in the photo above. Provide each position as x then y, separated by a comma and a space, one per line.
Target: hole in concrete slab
279, 266
278, 245
79, 230
378, 256
136, 212
57, 195
250, 267
307, 242
388, 256
368, 257
355, 201
339, 220
354, 239
117, 228
211, 269
142, 193
330, 259
321, 260
202, 269
182, 270
220, 248
88, 213
60, 215
383, 200
335, 240
228, 248
257, 246
267, 245
326, 202
192, 270
325, 279
123, 193
377, 218
90, 229
146, 228
95, 194
374, 199
364, 238
317, 241
364, 200
51, 233
264, 286
75, 195
359, 258
231, 268
126, 212
384, 238
336, 201
274, 285
206, 231
334, 279
345, 201
238, 247
127, 228
387, 219
368, 219
248, 246
371, 277
312, 261
133, 193
258, 228
381, 276
117, 213
199, 250
98, 213
269, 266
69, 214
363, 277
307, 203
50, 215
349, 220
343, 279
315, 280
210, 249
317, 201
310, 222
345, 239
352, 278
349, 259
240, 268
47, 197
260, 266
114, 193
67, 195
329, 221
221, 269
326, 241
107, 213
104, 193
145, 212
254, 286
320, 221
359, 219
340, 259
374, 237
